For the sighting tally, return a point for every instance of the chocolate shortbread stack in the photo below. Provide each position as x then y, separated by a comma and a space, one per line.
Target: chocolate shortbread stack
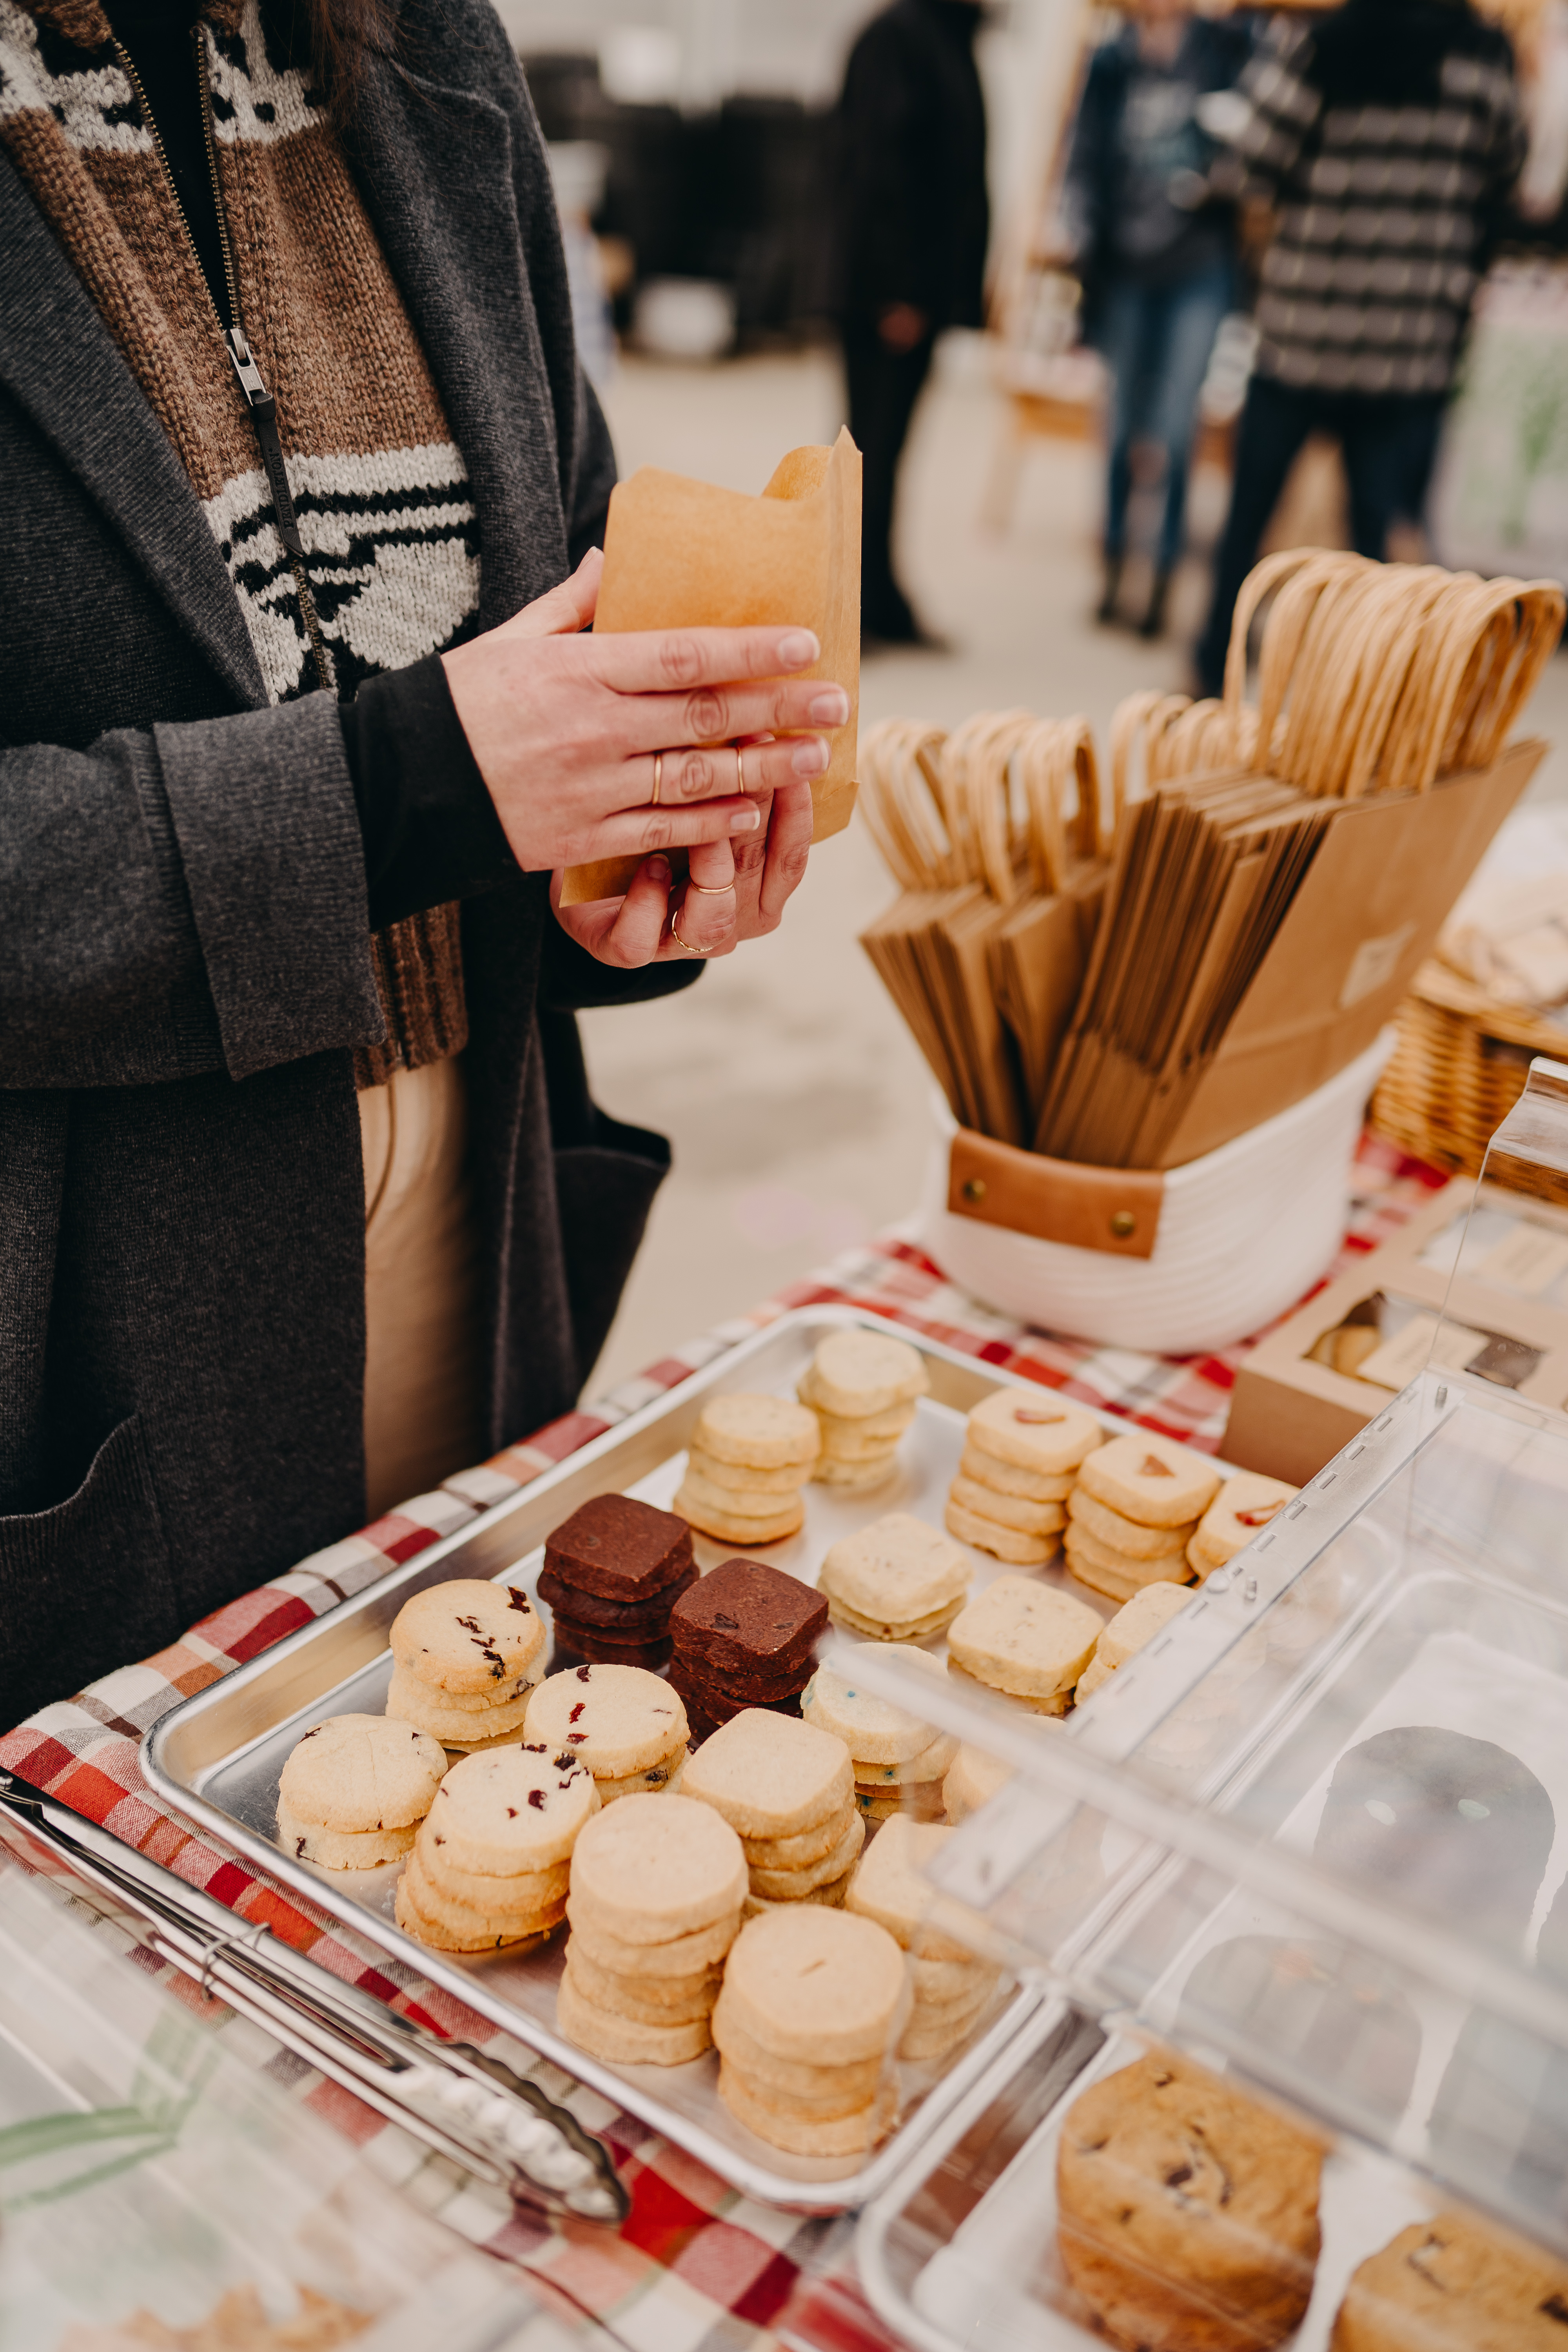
744, 1635
611, 1573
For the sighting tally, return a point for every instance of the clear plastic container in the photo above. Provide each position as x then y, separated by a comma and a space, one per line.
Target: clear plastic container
145, 2167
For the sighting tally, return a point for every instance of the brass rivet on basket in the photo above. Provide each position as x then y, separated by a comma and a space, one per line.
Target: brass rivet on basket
974, 1188
1124, 1223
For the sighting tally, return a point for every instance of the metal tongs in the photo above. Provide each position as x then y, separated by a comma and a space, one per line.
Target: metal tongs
471, 2108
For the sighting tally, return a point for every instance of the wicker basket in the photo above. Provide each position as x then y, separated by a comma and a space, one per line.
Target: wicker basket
1457, 1070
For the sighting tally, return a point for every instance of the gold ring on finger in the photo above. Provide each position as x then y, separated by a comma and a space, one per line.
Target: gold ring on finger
740, 771
675, 935
657, 779
710, 889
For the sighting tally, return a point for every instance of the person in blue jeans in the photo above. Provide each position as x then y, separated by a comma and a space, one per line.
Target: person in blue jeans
1154, 254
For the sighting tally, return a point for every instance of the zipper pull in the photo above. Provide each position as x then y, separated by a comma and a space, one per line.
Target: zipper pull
263, 408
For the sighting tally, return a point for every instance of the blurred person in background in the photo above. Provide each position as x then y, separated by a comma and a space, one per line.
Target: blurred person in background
1153, 253
1385, 140
913, 221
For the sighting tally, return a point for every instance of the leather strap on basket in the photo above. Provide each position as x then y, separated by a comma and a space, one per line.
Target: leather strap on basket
1115, 1211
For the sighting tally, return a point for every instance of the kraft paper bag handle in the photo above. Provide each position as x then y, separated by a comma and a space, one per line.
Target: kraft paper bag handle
685, 555
899, 797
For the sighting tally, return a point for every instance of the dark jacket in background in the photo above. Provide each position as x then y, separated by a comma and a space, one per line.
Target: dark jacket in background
184, 946
914, 216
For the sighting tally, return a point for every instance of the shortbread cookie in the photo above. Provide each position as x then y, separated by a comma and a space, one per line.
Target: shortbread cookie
744, 1478
851, 1440
736, 1502
1023, 1637
769, 1776
1010, 1478
1006, 1543
857, 1373
1033, 1430
648, 1617
653, 1867
1186, 2214
473, 1928
625, 2041
1046, 1703
733, 1527
746, 1617
809, 1982
613, 1719
920, 1800
837, 2099
663, 1778
761, 1432
880, 1428
584, 1645
893, 1888
1019, 1511
1244, 1504
1112, 1572
657, 2000
931, 1764
942, 1984
831, 1892
1453, 2284
416, 1922
797, 2134
468, 1636
1133, 1625
937, 2033
790, 1886
804, 1847
973, 1780
852, 1477
677, 1960
359, 1773
409, 1700
483, 1890
341, 1849
1118, 1534
1151, 1479
873, 1729
883, 1629
795, 2078
897, 1569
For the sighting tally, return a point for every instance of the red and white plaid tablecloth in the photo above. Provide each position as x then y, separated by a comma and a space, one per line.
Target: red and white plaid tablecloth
695, 2264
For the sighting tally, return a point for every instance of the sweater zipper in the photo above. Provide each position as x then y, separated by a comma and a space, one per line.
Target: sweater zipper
259, 400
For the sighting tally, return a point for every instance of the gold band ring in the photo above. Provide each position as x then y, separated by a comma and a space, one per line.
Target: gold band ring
740, 771
710, 889
657, 777
675, 935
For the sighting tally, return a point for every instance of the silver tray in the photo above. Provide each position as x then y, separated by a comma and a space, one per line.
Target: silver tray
218, 1757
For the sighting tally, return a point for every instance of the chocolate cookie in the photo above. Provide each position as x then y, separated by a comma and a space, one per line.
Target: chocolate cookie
1451, 2285
627, 1618
619, 1549
591, 1644
745, 1617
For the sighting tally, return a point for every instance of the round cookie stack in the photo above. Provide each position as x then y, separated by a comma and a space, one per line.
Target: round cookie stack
973, 1780
1134, 1512
492, 1861
1244, 1504
951, 1986
1025, 1640
744, 1636
1452, 2284
787, 1790
748, 1459
895, 1581
613, 1572
814, 2001
466, 1655
862, 1387
657, 1890
627, 1726
899, 1761
1022, 1450
355, 1791
1135, 1623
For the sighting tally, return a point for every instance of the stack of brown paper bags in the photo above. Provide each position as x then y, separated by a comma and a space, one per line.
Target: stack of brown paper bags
685, 554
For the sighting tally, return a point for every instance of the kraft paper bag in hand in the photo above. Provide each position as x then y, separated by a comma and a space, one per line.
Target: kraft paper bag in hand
685, 554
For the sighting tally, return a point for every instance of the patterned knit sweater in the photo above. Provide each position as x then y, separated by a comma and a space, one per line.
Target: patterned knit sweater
380, 491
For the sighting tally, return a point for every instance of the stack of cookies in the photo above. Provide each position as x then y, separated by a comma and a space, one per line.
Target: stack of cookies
973, 1780
1134, 1512
1027, 1640
951, 1986
624, 1724
1135, 1623
899, 1761
467, 1655
657, 1890
492, 1862
749, 1458
787, 1790
1244, 1504
1022, 1449
895, 1581
813, 2005
745, 1636
613, 1572
355, 1789
862, 1387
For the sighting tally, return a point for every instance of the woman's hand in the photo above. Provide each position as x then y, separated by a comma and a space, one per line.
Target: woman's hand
567, 728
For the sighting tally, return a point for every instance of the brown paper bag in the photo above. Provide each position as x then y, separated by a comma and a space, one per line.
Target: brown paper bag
685, 554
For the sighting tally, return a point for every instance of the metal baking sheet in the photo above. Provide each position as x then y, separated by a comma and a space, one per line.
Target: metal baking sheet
216, 1759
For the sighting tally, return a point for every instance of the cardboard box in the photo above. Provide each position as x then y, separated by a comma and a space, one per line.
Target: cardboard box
1507, 1314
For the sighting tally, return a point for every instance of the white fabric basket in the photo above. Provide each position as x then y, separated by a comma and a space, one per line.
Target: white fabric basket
1243, 1231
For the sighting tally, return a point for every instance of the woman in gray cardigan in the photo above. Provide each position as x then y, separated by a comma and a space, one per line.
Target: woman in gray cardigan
301, 484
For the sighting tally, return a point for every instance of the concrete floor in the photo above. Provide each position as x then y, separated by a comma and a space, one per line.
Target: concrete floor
797, 1105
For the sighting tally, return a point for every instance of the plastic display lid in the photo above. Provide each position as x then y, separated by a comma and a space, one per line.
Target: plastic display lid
1318, 1831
